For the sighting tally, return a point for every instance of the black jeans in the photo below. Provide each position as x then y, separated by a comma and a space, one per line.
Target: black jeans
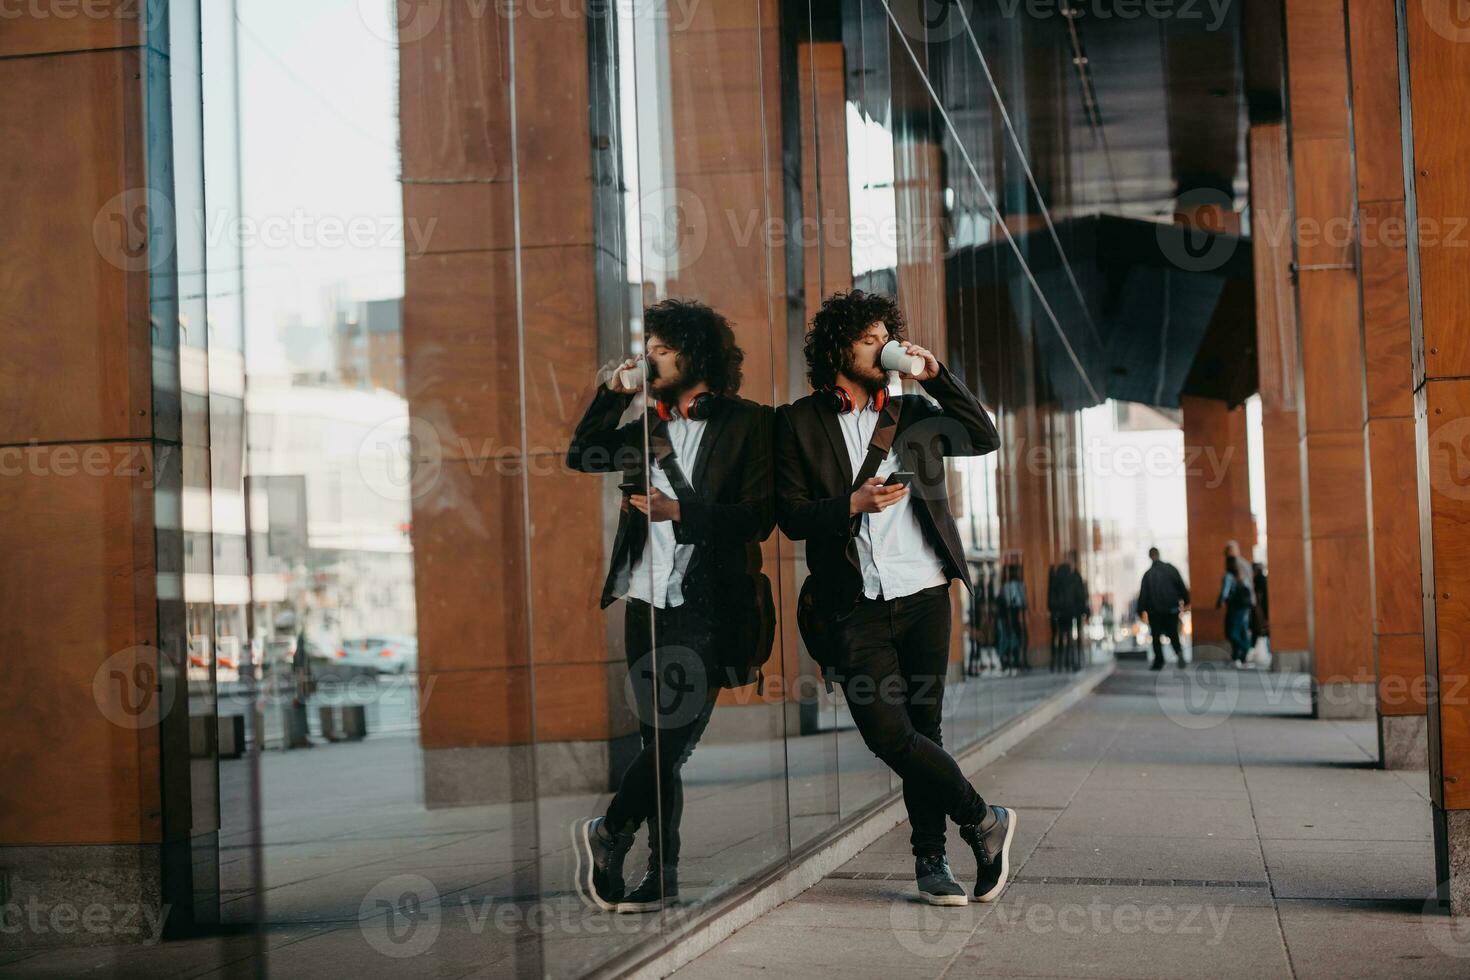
1161, 625
1238, 632
674, 705
896, 653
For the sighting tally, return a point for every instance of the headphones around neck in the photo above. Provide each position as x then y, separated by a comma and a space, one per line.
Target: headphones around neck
840, 400
701, 407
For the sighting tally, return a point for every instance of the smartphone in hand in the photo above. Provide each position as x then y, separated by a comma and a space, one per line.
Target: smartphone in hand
900, 478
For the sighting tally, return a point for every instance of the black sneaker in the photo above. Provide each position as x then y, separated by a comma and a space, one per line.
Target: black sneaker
936, 881
600, 855
991, 841
1156, 665
649, 895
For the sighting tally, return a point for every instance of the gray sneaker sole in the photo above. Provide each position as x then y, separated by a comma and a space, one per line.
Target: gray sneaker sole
627, 908
582, 841
947, 900
1005, 860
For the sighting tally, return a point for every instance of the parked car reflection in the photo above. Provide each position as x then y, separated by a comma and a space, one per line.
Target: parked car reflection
385, 654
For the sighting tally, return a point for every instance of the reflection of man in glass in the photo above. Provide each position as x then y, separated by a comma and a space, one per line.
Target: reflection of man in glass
860, 478
686, 560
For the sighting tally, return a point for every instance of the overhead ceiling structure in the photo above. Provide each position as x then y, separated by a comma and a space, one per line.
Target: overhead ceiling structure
1144, 309
1170, 310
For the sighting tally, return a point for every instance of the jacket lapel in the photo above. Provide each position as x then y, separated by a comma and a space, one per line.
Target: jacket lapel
833, 428
712, 431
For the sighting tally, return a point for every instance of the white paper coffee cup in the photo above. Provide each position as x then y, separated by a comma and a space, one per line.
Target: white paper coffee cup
894, 358
632, 377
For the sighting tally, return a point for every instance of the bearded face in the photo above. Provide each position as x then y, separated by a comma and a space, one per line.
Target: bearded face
666, 378
861, 358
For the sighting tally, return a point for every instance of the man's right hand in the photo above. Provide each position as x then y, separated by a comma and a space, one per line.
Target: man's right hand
875, 496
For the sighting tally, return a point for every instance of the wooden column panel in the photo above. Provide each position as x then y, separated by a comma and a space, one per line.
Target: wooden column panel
1438, 68
1286, 534
80, 750
1279, 358
1217, 501
1024, 492
826, 208
725, 142
1332, 394
84, 711
75, 357
486, 300
919, 204
1445, 424
95, 26
1437, 78
724, 150
1398, 624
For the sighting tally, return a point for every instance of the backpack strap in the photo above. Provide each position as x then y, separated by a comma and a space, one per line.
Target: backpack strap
662, 451
878, 447
880, 444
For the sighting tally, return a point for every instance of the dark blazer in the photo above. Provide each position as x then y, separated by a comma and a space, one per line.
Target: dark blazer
731, 474
1162, 590
814, 480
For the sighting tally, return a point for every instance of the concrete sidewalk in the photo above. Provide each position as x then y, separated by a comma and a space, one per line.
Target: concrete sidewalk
1189, 823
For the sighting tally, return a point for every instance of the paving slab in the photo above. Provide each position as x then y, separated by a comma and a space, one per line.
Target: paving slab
1179, 837
1345, 940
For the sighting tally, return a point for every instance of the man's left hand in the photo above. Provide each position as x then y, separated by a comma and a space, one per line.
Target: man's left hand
656, 505
931, 363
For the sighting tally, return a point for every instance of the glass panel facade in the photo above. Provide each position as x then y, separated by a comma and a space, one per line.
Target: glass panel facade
467, 327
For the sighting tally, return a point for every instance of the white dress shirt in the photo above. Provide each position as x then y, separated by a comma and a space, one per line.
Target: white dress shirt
895, 558
658, 575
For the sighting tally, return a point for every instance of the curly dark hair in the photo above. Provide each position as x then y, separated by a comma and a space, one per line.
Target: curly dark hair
843, 318
704, 340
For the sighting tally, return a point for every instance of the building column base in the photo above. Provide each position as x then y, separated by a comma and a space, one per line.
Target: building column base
1291, 661
1452, 859
475, 775
1403, 741
58, 895
1341, 700
1208, 652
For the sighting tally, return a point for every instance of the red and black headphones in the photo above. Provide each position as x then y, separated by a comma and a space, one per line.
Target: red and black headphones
839, 399
701, 407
